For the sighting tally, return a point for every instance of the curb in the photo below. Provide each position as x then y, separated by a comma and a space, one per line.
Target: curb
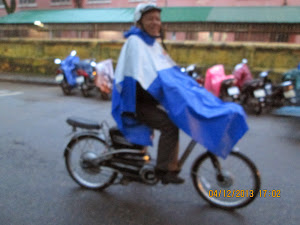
28, 79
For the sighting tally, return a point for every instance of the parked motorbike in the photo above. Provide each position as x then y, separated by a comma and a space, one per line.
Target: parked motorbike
66, 75
99, 156
104, 78
221, 85
86, 69
278, 95
253, 94
73, 72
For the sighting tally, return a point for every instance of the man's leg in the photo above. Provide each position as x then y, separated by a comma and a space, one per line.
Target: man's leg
168, 147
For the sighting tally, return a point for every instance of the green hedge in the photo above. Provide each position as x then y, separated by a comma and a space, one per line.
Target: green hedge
37, 56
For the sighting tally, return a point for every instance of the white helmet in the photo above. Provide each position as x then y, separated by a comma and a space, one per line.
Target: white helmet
143, 8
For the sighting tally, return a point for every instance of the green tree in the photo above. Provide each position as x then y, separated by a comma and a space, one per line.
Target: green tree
9, 9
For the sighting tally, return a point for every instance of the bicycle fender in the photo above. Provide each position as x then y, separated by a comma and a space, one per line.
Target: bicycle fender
81, 135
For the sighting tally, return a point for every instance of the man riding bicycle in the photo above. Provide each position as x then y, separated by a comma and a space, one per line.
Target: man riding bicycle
150, 92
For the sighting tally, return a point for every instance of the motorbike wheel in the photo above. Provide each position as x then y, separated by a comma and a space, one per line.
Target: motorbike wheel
290, 102
80, 156
258, 109
65, 87
105, 96
225, 98
229, 99
235, 186
253, 105
85, 90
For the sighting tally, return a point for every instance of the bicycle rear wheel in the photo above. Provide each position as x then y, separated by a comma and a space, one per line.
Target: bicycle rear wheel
235, 185
81, 156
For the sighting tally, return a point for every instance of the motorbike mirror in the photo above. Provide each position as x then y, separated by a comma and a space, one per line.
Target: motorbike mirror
244, 61
57, 61
263, 74
93, 64
73, 53
191, 67
194, 75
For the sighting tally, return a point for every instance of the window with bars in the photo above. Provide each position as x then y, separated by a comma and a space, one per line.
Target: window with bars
26, 2
279, 37
98, 1
60, 1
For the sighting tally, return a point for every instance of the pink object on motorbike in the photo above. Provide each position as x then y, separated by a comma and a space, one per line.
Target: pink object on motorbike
214, 77
242, 74
104, 78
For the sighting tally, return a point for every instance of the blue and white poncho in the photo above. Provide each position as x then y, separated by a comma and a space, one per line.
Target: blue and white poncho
216, 125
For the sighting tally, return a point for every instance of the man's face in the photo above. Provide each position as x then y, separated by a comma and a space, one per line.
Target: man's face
151, 22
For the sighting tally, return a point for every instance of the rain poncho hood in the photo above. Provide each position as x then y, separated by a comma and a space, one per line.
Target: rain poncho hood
205, 118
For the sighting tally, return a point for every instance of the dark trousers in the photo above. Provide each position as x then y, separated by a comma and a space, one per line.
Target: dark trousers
168, 147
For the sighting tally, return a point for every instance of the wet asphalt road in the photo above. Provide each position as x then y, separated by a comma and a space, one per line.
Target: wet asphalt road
36, 189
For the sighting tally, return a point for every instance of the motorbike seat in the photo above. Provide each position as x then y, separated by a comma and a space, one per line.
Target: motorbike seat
83, 123
83, 64
252, 84
228, 81
286, 83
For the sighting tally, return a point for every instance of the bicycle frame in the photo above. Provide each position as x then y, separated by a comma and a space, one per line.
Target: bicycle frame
101, 134
188, 151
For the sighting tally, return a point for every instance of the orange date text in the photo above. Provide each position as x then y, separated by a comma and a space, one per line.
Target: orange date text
240, 193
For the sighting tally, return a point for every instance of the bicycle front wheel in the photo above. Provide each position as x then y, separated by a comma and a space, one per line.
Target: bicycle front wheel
230, 183
81, 156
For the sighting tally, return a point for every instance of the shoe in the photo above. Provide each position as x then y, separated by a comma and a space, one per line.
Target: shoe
170, 177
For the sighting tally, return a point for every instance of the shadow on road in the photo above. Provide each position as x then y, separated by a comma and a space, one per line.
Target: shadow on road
125, 209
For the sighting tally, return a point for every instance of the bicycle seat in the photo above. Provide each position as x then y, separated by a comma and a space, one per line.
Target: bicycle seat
83, 64
83, 123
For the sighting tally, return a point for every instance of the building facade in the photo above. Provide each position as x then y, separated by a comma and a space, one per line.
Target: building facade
215, 35
68, 4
